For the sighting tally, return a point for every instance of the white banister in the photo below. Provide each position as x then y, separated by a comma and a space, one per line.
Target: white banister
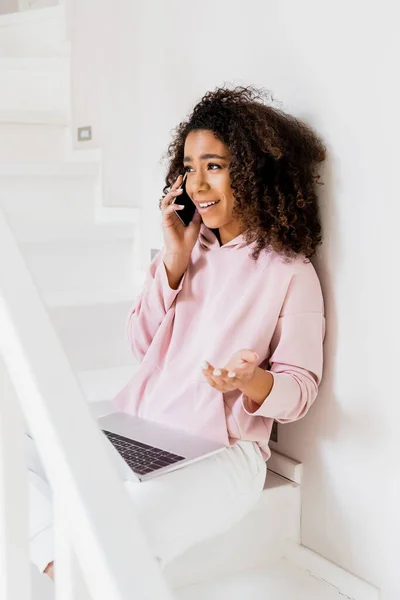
103, 528
14, 557
69, 583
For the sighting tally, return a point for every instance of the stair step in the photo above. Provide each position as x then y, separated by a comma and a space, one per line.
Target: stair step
34, 83
118, 214
47, 194
79, 232
34, 117
34, 33
41, 64
89, 297
39, 4
94, 336
30, 17
83, 265
31, 142
255, 540
102, 385
278, 580
49, 169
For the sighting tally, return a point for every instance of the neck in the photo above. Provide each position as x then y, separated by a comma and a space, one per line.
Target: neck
227, 233
216, 232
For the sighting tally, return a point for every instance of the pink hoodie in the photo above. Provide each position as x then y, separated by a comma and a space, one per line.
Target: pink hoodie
226, 302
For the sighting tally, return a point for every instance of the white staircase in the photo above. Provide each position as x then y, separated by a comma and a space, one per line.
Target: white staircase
85, 261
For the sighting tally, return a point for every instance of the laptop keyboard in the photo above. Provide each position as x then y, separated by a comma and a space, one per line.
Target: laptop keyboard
142, 458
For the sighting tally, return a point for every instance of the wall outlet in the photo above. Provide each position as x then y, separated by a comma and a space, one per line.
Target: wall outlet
84, 134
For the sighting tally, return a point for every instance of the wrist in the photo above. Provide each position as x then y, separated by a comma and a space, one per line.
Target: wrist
183, 253
175, 266
176, 258
259, 386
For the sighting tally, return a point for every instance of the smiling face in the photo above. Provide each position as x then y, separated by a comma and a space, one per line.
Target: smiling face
206, 160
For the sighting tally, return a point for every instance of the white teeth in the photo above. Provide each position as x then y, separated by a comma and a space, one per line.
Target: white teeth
207, 204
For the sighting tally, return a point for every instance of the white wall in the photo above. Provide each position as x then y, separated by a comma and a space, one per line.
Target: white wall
333, 64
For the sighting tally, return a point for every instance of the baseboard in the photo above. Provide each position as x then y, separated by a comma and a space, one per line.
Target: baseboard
285, 467
350, 586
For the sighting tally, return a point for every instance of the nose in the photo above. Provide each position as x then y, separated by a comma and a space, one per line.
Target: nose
198, 183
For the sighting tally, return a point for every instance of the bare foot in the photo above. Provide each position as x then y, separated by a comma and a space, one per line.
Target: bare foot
49, 570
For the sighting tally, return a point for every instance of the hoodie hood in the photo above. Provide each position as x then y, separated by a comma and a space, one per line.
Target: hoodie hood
209, 241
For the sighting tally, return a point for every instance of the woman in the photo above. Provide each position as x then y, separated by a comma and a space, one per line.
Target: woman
230, 324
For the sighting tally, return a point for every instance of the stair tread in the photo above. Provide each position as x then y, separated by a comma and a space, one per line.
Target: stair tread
60, 298
49, 169
27, 16
278, 579
36, 117
79, 232
101, 385
30, 63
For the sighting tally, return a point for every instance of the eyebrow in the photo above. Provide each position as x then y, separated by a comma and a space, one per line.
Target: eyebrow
205, 157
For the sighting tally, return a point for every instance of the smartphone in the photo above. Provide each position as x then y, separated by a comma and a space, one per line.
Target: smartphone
185, 214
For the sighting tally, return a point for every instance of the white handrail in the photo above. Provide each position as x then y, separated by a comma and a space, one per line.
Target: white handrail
69, 582
103, 528
14, 557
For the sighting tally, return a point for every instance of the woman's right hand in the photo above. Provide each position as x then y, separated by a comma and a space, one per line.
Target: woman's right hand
178, 239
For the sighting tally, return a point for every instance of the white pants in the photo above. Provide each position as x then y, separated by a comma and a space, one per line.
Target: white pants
176, 510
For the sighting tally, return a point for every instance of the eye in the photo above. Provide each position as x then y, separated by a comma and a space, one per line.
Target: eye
187, 168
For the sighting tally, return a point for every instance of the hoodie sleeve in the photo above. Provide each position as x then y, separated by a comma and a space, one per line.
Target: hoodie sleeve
296, 353
151, 306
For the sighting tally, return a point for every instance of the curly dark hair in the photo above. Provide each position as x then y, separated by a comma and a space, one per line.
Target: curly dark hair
274, 158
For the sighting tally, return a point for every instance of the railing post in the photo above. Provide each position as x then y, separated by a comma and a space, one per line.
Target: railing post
15, 580
69, 582
107, 537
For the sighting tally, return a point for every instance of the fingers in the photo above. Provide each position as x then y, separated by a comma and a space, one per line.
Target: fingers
168, 199
206, 368
224, 374
177, 183
239, 369
208, 373
172, 208
172, 194
216, 375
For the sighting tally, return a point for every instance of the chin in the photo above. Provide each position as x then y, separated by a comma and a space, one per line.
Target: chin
211, 221
211, 224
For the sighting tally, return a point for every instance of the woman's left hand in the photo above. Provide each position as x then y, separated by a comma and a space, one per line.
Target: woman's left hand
238, 370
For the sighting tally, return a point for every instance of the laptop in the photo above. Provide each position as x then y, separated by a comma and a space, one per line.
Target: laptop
142, 449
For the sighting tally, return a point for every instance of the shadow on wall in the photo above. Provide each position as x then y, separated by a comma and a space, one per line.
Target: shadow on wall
324, 417
328, 433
